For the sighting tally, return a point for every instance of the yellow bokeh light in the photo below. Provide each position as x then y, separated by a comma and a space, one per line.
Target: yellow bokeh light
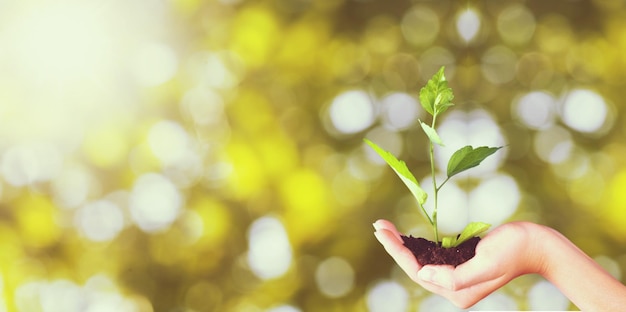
349, 61
255, 34
10, 249
251, 112
614, 213
36, 216
107, 145
554, 34
278, 153
383, 35
61, 43
247, 177
307, 209
216, 221
305, 37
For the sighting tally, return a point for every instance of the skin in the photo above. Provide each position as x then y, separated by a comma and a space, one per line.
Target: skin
511, 250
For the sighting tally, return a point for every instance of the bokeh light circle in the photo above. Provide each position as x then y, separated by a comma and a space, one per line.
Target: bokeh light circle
387, 296
269, 255
536, 110
168, 141
334, 277
516, 24
468, 24
154, 202
351, 111
100, 220
420, 26
553, 145
389, 140
399, 110
72, 186
284, 308
498, 64
98, 294
203, 105
544, 296
584, 111
452, 210
437, 303
494, 200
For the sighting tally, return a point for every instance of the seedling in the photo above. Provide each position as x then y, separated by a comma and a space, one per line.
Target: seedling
436, 97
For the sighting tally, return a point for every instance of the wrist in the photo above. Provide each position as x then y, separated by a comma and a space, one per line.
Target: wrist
535, 254
543, 242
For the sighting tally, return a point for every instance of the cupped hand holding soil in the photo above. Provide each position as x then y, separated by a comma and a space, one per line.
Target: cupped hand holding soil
511, 250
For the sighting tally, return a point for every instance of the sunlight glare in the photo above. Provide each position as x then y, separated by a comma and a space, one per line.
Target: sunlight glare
61, 43
155, 64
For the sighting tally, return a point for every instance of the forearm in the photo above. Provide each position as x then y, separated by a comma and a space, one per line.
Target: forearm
578, 276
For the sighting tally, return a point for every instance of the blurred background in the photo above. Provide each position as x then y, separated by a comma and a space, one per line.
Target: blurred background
187, 155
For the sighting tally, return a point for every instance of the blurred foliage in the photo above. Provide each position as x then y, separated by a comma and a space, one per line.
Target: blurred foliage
141, 143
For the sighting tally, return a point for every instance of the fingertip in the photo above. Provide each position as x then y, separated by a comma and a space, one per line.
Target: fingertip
378, 224
379, 237
382, 224
386, 237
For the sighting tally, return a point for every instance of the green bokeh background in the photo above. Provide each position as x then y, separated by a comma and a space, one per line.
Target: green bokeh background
262, 75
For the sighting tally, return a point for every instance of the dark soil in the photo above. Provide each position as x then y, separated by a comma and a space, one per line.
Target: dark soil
429, 252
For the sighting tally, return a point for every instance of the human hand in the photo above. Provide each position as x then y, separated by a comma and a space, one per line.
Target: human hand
502, 255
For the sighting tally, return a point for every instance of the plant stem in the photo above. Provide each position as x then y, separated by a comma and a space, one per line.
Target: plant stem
435, 188
442, 183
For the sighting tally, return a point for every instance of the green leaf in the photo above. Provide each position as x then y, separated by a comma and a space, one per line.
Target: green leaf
467, 157
431, 133
436, 96
402, 171
471, 230
448, 242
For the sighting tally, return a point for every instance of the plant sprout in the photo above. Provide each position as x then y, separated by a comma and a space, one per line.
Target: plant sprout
436, 97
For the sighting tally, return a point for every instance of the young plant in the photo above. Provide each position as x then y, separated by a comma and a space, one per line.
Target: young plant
436, 97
